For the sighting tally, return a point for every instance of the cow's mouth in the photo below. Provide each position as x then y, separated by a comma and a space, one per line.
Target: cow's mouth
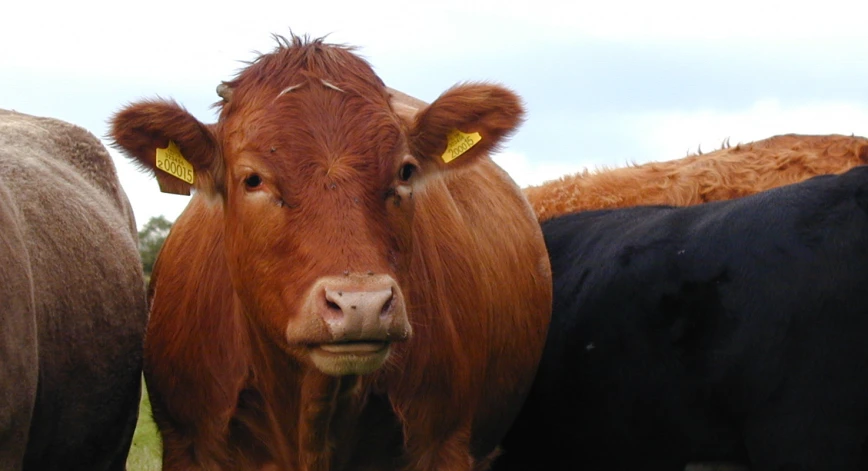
353, 348
350, 358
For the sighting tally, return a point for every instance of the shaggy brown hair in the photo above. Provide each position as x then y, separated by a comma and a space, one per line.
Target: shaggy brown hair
727, 173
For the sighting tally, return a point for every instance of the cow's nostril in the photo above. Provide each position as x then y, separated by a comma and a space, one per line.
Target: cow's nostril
364, 309
387, 306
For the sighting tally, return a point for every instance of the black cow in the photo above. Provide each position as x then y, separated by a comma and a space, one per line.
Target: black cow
730, 331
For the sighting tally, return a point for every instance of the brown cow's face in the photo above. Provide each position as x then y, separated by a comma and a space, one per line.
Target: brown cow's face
318, 212
317, 176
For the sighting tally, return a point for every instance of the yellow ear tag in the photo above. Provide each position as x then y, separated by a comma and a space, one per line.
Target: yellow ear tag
459, 143
172, 162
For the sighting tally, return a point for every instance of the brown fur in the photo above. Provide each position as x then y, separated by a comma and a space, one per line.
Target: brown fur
19, 361
72, 301
728, 173
226, 353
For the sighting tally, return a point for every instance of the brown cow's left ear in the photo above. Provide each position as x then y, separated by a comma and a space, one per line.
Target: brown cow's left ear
465, 122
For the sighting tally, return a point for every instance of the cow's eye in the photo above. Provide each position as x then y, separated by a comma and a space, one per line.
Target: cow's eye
407, 170
253, 181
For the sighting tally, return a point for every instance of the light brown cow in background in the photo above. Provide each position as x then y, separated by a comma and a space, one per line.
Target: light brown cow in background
728, 173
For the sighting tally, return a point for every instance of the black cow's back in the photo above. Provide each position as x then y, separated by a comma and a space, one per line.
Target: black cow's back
729, 331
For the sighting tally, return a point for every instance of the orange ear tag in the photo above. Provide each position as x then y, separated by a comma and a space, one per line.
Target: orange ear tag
459, 143
172, 162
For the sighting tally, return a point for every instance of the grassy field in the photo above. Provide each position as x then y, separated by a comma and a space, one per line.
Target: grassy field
145, 452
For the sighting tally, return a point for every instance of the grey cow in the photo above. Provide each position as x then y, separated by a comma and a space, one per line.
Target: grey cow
72, 301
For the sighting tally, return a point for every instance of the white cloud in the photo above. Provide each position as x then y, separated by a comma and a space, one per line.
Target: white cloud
526, 171
778, 20
669, 135
672, 134
176, 40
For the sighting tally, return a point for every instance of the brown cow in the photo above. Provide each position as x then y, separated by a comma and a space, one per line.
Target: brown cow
72, 301
728, 173
335, 295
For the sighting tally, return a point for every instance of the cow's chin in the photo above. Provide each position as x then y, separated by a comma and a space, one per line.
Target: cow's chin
351, 358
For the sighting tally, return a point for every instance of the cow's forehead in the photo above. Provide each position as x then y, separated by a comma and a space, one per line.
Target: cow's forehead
307, 99
321, 125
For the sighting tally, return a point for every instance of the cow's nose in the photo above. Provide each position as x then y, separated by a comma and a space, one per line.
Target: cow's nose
342, 304
356, 308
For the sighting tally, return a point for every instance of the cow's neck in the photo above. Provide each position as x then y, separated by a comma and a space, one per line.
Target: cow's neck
308, 413
329, 408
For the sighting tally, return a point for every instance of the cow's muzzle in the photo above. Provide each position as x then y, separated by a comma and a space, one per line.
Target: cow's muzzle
362, 315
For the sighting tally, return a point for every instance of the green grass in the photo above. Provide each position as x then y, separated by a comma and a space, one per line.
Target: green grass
145, 454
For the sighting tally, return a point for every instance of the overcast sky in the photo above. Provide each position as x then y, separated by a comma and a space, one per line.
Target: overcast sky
605, 83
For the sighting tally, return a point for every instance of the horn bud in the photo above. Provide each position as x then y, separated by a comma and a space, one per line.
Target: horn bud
224, 91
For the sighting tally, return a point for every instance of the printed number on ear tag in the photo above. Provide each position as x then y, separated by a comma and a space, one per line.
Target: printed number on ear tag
459, 143
172, 162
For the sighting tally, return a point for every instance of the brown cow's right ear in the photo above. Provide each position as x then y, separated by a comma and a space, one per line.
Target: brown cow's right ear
141, 128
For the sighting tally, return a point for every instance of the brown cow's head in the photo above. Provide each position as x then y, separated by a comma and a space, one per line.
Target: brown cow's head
316, 174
